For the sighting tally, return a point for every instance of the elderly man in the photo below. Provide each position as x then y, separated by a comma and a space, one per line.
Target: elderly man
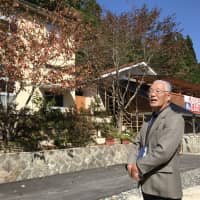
153, 160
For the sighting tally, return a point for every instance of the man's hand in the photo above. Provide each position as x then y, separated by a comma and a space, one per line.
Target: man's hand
129, 168
133, 171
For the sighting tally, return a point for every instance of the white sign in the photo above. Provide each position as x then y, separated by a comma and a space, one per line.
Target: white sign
192, 103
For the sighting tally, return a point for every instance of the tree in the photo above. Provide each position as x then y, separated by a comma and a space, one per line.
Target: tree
32, 56
192, 69
132, 36
140, 34
194, 74
90, 9
121, 39
190, 53
176, 55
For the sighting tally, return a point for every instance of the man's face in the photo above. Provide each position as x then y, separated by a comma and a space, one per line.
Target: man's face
159, 97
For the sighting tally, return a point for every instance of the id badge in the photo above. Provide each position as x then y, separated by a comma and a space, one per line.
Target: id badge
142, 152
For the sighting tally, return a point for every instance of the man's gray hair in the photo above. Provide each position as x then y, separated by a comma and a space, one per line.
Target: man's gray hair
167, 84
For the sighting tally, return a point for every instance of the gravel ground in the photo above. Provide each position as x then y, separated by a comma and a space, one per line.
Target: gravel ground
134, 194
191, 188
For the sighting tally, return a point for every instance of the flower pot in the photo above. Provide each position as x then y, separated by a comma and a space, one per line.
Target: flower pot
110, 141
125, 141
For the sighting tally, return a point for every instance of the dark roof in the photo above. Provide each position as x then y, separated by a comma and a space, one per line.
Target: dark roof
180, 109
178, 85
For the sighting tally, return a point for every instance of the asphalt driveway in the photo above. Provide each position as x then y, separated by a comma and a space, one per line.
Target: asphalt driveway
90, 184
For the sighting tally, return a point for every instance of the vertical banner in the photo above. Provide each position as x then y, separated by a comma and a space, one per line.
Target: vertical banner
192, 103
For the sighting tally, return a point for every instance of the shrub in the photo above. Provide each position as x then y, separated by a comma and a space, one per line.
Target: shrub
80, 130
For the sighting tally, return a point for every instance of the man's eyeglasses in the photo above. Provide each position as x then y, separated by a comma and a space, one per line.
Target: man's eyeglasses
157, 91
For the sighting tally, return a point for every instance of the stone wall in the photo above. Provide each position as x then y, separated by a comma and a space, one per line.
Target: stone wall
191, 143
27, 165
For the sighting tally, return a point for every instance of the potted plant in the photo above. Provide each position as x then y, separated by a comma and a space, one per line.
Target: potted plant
126, 138
109, 131
110, 140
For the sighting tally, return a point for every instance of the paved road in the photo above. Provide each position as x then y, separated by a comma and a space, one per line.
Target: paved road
84, 185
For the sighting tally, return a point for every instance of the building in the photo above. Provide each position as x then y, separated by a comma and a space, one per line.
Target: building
100, 90
185, 96
42, 62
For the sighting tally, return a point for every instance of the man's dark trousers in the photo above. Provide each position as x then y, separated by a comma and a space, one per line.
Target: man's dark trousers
152, 197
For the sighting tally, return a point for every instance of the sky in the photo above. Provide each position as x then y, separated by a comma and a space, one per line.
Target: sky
187, 13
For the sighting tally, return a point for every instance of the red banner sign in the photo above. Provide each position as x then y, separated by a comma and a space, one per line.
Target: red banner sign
192, 103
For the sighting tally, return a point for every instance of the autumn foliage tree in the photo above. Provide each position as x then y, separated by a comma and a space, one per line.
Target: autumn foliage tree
37, 48
30, 54
130, 37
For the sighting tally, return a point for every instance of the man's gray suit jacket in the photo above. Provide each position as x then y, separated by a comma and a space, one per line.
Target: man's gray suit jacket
160, 167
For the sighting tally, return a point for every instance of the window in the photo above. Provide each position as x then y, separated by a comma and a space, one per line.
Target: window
8, 25
79, 92
6, 91
52, 29
6, 98
56, 99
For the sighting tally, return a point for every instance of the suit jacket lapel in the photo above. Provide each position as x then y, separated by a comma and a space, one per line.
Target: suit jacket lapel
144, 131
156, 123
